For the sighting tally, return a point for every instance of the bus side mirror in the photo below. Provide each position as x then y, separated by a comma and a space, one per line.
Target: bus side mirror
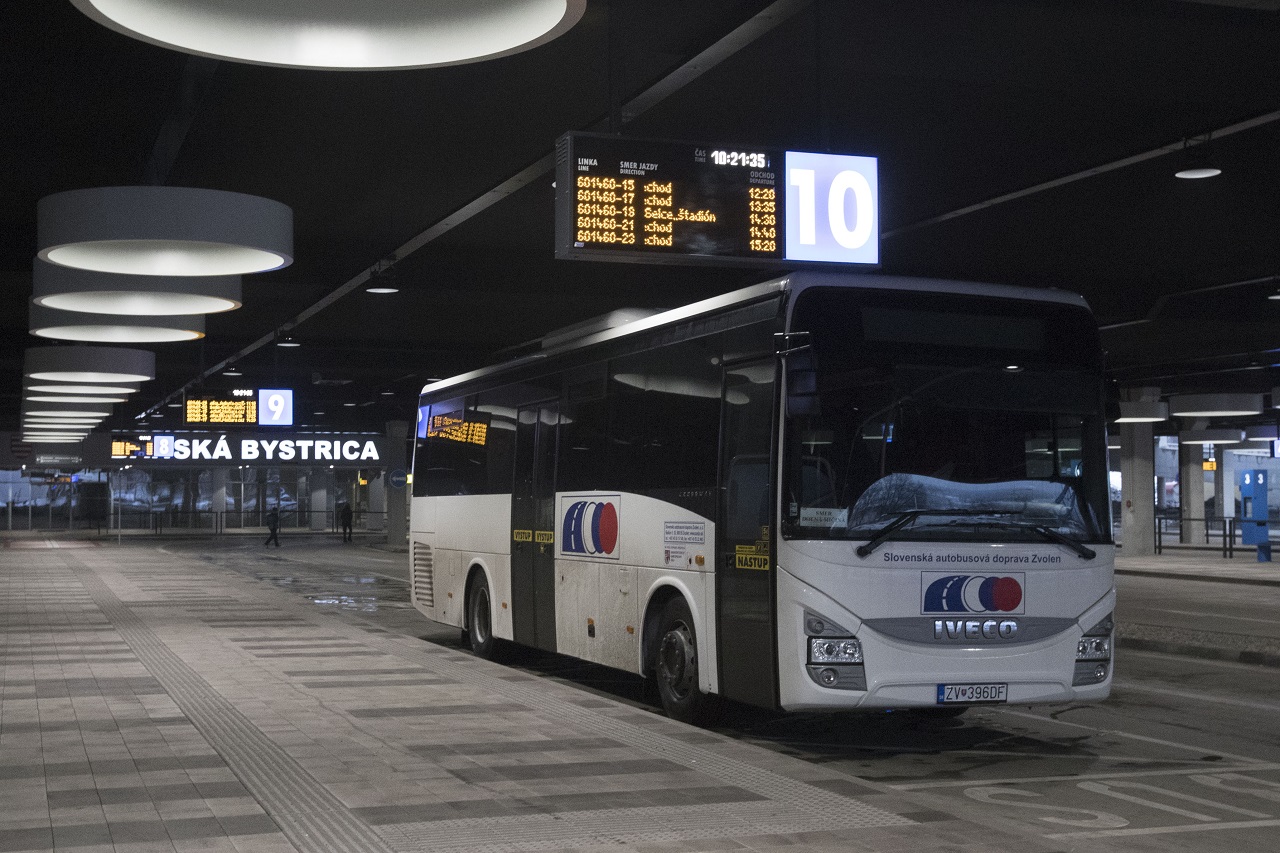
802, 392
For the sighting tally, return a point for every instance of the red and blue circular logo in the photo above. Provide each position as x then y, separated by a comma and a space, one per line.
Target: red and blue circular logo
973, 594
590, 528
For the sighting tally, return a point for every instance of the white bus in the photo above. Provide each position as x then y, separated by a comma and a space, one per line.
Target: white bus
822, 492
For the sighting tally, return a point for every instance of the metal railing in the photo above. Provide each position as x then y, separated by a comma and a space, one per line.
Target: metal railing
54, 519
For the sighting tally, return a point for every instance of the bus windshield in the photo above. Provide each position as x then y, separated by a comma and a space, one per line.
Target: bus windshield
944, 417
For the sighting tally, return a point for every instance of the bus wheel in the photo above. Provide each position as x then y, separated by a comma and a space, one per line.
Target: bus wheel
480, 618
676, 667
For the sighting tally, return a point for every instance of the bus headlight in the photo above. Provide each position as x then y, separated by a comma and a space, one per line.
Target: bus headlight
1093, 654
1093, 648
1096, 642
828, 650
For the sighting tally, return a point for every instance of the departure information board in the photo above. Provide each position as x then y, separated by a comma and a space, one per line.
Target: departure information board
241, 406
676, 202
221, 410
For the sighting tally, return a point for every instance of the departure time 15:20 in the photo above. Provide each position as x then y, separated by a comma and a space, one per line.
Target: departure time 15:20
754, 160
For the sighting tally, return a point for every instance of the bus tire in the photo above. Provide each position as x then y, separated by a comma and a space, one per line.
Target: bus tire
480, 618
675, 665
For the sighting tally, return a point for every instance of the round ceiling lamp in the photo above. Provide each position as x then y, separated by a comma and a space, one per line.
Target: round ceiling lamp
164, 231
1197, 173
90, 364
1211, 436
58, 428
72, 388
1142, 412
1215, 405
76, 398
369, 35
1262, 432
70, 289
67, 410
113, 328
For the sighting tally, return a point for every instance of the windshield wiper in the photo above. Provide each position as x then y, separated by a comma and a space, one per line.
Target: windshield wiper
1063, 539
1052, 535
907, 516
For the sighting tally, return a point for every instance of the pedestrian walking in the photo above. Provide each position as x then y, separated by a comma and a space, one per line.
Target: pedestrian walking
273, 525
345, 515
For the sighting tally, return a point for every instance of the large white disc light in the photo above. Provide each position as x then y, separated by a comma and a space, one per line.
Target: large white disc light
68, 289
370, 34
72, 388
1211, 436
169, 231
1142, 412
113, 328
90, 364
1215, 405
53, 398
67, 410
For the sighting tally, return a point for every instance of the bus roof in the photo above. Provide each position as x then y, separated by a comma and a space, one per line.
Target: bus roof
560, 342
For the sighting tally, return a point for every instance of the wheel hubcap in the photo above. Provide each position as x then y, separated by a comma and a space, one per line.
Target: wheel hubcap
480, 615
675, 661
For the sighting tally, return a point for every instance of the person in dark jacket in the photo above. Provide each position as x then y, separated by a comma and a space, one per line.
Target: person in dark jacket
273, 525
345, 515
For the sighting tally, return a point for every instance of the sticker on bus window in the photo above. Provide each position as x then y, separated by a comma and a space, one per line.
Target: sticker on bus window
756, 562
813, 516
522, 535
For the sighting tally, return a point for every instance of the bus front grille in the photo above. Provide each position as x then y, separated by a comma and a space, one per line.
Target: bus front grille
424, 576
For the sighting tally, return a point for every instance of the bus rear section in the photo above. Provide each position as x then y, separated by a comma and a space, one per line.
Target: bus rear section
943, 503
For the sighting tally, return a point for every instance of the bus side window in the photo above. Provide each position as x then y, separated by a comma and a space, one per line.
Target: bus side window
748, 499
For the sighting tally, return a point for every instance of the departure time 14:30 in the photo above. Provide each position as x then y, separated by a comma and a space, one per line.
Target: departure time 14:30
754, 160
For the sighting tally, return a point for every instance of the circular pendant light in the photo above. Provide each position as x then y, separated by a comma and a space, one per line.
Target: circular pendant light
45, 387
74, 398
1215, 405
113, 328
371, 34
56, 428
1197, 173
165, 231
1211, 436
1142, 412
69, 289
90, 364
67, 410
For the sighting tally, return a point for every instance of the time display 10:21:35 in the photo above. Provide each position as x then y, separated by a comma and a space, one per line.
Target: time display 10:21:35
751, 159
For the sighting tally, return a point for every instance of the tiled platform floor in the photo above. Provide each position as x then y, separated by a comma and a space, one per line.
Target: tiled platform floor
154, 699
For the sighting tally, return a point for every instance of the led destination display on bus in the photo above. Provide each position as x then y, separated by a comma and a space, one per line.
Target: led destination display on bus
678, 202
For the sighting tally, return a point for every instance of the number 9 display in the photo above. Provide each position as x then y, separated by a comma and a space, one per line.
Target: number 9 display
275, 407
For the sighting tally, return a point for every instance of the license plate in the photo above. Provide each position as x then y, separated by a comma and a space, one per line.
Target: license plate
972, 693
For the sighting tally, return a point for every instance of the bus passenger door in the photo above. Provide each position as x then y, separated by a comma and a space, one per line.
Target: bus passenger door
744, 551
533, 525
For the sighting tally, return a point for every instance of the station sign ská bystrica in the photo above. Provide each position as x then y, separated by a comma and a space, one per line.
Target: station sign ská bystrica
220, 448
